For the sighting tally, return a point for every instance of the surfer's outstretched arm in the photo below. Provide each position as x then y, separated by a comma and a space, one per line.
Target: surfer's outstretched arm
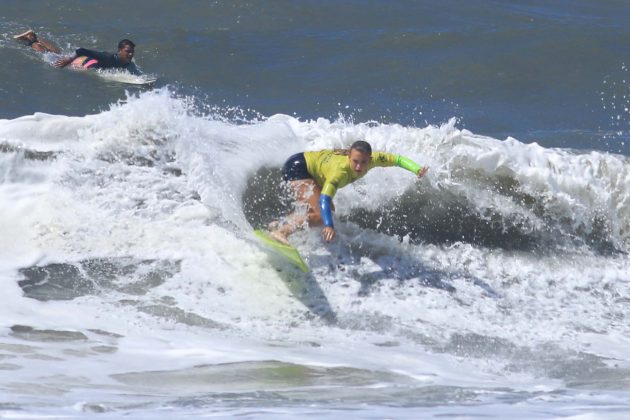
410, 165
329, 189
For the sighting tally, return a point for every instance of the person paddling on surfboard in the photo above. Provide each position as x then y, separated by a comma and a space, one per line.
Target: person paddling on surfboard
84, 58
315, 177
89, 59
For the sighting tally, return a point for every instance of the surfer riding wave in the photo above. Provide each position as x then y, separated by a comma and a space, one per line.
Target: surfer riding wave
315, 177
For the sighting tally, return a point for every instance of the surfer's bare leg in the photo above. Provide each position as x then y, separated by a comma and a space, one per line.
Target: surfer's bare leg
306, 193
38, 44
47, 46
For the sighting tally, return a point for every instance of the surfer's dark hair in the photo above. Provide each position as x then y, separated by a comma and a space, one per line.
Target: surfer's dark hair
362, 146
123, 43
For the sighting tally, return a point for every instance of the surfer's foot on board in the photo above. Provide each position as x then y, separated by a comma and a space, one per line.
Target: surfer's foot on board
279, 236
26, 36
275, 231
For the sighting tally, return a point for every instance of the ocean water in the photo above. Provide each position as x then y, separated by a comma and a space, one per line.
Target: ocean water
496, 287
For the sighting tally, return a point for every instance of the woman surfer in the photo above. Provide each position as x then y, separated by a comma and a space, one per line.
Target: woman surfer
315, 177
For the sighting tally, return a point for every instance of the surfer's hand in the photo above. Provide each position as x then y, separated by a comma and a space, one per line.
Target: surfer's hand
422, 171
328, 234
62, 61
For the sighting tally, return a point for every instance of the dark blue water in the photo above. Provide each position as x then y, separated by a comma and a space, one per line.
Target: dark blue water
552, 73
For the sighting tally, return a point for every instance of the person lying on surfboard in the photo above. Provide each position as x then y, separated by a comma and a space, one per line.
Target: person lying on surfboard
89, 59
315, 177
84, 58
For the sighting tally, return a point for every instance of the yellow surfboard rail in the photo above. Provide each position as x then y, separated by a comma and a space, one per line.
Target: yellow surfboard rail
287, 251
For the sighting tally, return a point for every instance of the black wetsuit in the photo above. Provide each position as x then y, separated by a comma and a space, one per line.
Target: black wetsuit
107, 61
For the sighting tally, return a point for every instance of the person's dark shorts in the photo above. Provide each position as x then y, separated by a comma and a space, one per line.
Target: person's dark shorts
295, 168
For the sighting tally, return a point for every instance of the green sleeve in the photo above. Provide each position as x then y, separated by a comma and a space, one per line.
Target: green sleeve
329, 189
408, 164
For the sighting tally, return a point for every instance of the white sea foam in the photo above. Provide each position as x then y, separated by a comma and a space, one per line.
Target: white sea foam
151, 180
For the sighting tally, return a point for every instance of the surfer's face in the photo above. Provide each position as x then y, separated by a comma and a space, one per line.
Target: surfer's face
359, 161
125, 54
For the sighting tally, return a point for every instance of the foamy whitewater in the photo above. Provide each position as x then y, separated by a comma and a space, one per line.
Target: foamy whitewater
498, 286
